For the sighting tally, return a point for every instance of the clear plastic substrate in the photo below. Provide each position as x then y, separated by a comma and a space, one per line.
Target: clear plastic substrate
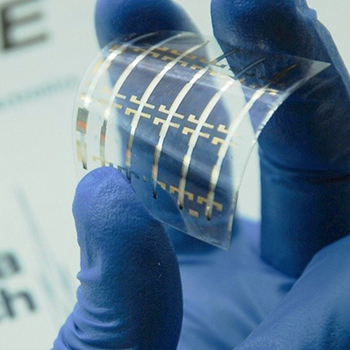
179, 117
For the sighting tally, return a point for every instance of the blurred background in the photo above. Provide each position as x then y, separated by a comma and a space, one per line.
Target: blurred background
45, 47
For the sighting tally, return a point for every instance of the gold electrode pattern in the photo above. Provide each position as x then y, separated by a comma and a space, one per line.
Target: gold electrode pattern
164, 117
173, 112
214, 178
202, 121
83, 113
147, 94
119, 84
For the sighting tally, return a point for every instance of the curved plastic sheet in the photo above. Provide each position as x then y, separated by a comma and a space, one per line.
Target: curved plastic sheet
180, 118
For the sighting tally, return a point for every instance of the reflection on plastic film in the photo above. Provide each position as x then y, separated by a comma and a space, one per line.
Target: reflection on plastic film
181, 117
147, 94
214, 178
193, 140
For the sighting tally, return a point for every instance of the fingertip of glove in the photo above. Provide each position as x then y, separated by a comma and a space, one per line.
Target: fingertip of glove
270, 26
102, 184
124, 19
105, 199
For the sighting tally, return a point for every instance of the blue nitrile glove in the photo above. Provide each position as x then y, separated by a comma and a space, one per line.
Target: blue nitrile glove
130, 293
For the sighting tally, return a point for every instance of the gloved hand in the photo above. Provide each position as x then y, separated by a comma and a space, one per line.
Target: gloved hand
291, 294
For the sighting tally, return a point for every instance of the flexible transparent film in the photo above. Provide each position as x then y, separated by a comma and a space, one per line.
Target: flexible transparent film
180, 118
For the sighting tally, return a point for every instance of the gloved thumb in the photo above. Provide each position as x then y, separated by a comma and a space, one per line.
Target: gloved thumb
130, 294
